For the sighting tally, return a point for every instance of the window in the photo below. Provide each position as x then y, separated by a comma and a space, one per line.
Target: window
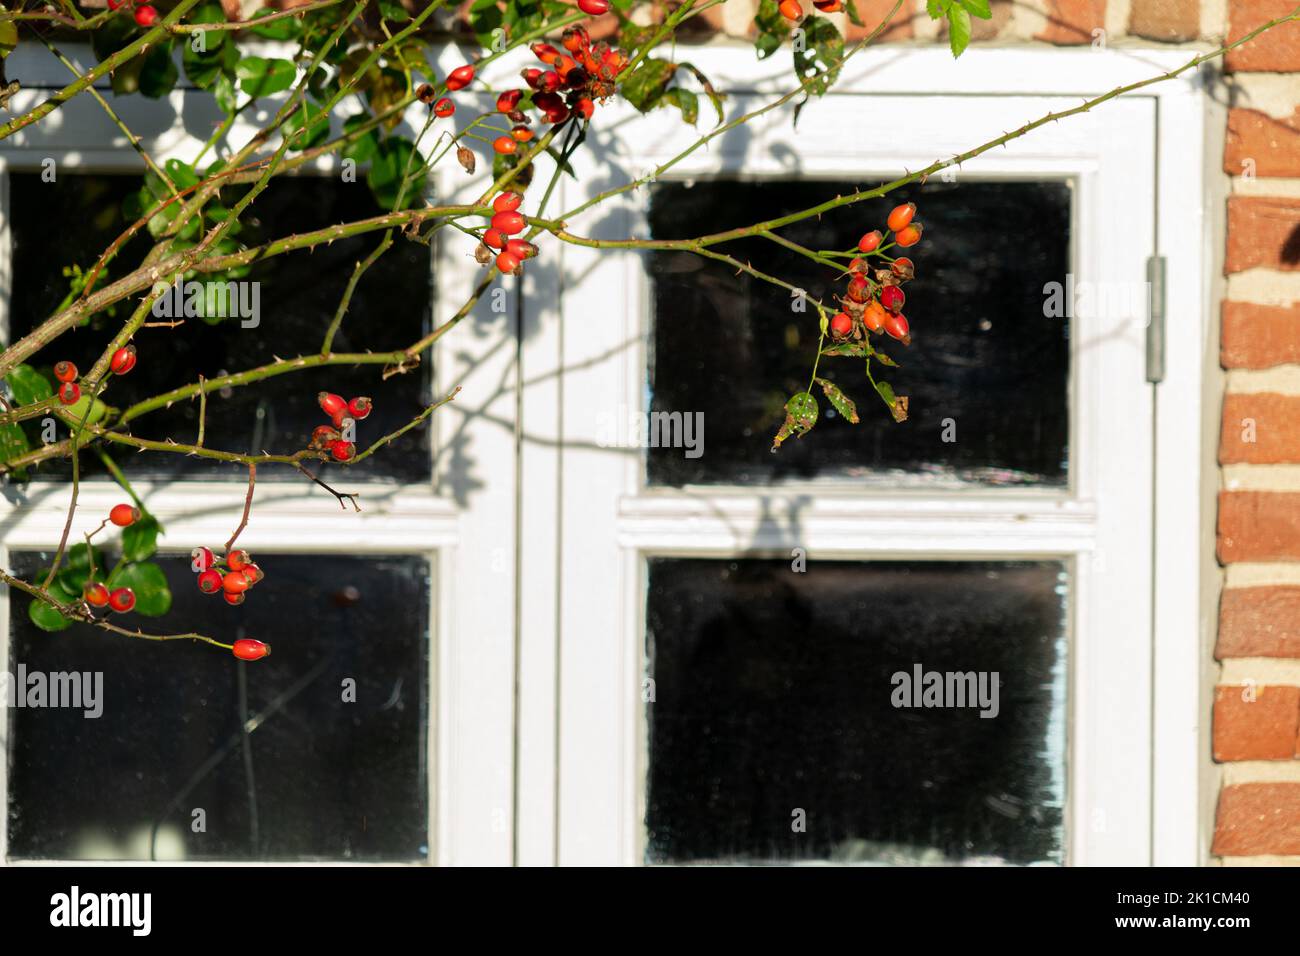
329, 751
730, 698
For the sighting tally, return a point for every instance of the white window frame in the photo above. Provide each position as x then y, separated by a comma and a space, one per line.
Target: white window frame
465, 743
570, 811
499, 682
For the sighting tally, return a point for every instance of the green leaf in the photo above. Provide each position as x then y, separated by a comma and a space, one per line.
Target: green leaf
855, 18
153, 598
126, 78
897, 403
977, 8
262, 77
936, 8
181, 174
387, 171
316, 121
714, 96
78, 409
843, 404
686, 101
29, 385
224, 90
203, 69
111, 36
158, 73
45, 617
395, 12
800, 416
484, 17
75, 571
822, 50
140, 540
883, 359
286, 28
365, 147
771, 28
958, 29
13, 441
647, 83
855, 349
8, 37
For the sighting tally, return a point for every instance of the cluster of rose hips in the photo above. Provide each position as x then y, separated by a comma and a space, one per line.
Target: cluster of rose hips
874, 303
507, 221
145, 15
340, 410
793, 9
96, 594
238, 575
69, 392
588, 72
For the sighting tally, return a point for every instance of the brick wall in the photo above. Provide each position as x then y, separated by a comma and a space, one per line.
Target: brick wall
1257, 702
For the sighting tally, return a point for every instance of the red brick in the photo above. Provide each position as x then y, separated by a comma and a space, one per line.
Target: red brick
1263, 232
1072, 21
1262, 428
1259, 526
1259, 622
874, 11
1258, 819
1168, 20
1259, 336
1276, 50
1262, 144
1257, 723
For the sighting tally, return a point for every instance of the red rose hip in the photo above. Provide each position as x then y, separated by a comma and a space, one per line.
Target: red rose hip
123, 360
892, 298
511, 223
331, 404
69, 393
247, 649
870, 242
65, 371
900, 216
122, 600
841, 325
96, 594
460, 77
124, 515
210, 581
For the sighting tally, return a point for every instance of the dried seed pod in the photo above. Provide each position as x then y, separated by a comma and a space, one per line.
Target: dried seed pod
425, 93
465, 157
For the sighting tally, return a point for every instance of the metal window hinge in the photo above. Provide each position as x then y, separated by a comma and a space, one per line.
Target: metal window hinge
1156, 319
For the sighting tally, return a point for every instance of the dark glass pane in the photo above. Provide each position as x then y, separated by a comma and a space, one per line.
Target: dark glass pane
318, 777
984, 355
71, 221
775, 693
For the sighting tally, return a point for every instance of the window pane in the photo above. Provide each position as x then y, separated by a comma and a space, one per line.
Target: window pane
984, 355
319, 777
776, 706
71, 221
